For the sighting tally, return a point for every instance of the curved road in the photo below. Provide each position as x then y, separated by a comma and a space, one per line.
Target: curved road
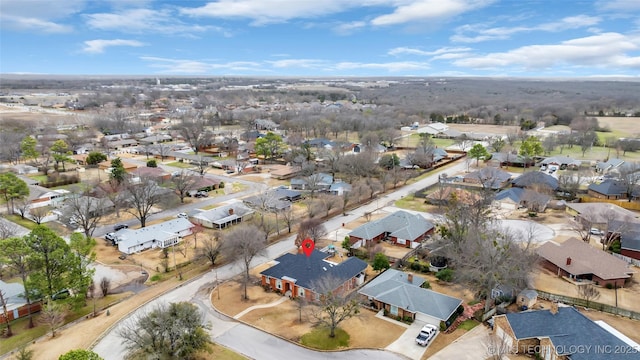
244, 339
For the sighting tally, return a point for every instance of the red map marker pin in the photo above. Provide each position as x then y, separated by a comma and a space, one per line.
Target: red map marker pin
307, 246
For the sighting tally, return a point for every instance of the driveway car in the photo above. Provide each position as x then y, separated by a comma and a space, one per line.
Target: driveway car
119, 227
110, 236
595, 231
182, 215
201, 194
426, 334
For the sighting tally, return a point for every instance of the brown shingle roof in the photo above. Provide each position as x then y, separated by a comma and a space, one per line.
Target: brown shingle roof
585, 259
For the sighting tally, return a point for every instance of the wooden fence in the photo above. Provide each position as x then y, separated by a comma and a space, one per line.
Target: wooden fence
589, 304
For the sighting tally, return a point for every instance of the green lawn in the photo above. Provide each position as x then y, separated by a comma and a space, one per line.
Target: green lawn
468, 324
410, 202
319, 339
179, 164
20, 221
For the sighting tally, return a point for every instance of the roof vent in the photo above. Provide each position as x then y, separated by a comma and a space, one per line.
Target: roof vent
324, 268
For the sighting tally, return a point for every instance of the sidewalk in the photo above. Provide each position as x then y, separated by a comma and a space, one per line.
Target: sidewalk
263, 306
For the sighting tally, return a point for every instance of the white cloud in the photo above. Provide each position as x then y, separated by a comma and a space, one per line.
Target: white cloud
420, 10
389, 66
299, 63
144, 21
98, 46
269, 11
618, 5
483, 33
186, 66
411, 51
608, 50
348, 28
38, 15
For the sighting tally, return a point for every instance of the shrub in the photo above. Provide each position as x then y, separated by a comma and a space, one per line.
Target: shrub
156, 277
425, 285
152, 163
415, 266
221, 185
445, 275
609, 286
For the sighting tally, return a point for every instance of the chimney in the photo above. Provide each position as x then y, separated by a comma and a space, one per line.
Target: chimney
410, 278
554, 308
230, 211
568, 261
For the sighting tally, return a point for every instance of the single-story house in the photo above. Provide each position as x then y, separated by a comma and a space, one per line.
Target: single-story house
401, 228
559, 333
155, 173
94, 206
316, 182
580, 261
205, 184
156, 139
598, 215
563, 162
273, 200
287, 194
24, 169
339, 188
400, 294
222, 216
16, 305
42, 196
610, 189
283, 172
488, 177
509, 199
160, 235
297, 275
535, 178
629, 236
604, 166
509, 159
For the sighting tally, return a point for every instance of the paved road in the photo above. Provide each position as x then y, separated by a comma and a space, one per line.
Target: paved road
235, 335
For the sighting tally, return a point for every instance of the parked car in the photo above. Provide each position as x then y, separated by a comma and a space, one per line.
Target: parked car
201, 194
182, 215
595, 231
110, 236
119, 227
426, 334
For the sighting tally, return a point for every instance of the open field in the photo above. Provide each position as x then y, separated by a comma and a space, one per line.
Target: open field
627, 126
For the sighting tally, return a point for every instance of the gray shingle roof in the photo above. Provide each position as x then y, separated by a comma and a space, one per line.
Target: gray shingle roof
159, 232
221, 214
630, 234
609, 187
392, 287
513, 194
400, 224
307, 271
568, 329
535, 177
585, 259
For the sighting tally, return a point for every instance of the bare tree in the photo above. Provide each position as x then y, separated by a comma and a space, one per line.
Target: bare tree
141, 198
5, 312
7, 229
211, 248
86, 211
289, 217
630, 174
313, 229
244, 244
52, 315
193, 129
588, 292
329, 202
38, 214
105, 285
183, 183
336, 303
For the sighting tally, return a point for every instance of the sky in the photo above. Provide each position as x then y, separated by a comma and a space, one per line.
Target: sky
322, 38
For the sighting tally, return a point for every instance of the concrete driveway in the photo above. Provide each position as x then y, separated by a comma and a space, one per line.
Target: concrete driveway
406, 343
470, 346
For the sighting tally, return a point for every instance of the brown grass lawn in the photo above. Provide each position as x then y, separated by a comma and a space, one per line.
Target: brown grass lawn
366, 330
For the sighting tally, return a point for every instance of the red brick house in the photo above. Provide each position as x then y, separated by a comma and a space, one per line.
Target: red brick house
297, 275
401, 228
578, 260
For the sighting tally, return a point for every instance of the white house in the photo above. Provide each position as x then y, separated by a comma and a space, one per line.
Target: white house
160, 235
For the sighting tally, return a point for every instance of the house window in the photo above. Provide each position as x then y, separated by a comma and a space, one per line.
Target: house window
279, 284
300, 292
394, 310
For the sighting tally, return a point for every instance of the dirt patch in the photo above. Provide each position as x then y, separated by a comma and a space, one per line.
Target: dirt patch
625, 325
490, 129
